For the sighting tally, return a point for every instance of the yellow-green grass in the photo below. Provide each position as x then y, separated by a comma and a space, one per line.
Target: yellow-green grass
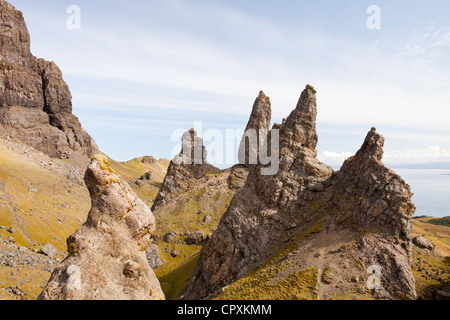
49, 215
270, 282
28, 280
132, 170
186, 213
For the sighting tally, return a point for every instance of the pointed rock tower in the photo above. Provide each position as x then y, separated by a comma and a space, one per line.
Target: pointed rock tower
107, 258
189, 164
256, 132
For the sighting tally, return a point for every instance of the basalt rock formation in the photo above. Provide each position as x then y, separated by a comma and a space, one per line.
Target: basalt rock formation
35, 101
189, 164
258, 127
107, 258
350, 223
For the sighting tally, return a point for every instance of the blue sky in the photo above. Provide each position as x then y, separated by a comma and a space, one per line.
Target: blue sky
138, 70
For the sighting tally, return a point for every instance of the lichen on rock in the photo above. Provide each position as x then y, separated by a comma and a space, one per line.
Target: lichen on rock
107, 257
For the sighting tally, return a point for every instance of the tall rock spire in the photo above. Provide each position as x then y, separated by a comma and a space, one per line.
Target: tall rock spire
107, 254
300, 126
261, 113
256, 131
189, 164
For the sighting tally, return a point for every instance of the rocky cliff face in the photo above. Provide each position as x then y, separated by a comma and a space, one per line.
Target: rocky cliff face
306, 209
107, 259
35, 102
189, 164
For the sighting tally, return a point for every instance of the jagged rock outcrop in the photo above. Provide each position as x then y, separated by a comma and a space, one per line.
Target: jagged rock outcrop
107, 259
369, 196
257, 128
364, 203
35, 101
149, 160
189, 164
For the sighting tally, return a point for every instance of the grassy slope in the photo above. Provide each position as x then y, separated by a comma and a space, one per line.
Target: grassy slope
49, 215
208, 196
431, 269
132, 170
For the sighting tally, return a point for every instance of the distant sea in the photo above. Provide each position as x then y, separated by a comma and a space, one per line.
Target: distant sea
431, 188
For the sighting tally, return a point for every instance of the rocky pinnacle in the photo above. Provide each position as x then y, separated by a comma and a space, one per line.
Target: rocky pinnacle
256, 131
190, 163
107, 258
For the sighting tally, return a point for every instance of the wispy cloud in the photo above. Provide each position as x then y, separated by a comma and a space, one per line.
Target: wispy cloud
166, 59
430, 154
428, 44
392, 157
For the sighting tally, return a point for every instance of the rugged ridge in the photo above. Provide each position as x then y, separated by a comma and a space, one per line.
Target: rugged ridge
107, 259
35, 101
306, 204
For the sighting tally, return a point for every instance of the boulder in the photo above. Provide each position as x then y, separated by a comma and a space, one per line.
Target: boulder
423, 243
149, 160
49, 250
170, 236
195, 237
152, 254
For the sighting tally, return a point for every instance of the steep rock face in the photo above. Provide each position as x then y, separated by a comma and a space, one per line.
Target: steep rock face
383, 197
189, 164
300, 173
107, 259
369, 196
32, 88
258, 125
366, 201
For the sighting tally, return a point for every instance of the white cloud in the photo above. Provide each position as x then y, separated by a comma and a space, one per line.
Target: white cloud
220, 57
410, 156
430, 154
333, 158
431, 43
